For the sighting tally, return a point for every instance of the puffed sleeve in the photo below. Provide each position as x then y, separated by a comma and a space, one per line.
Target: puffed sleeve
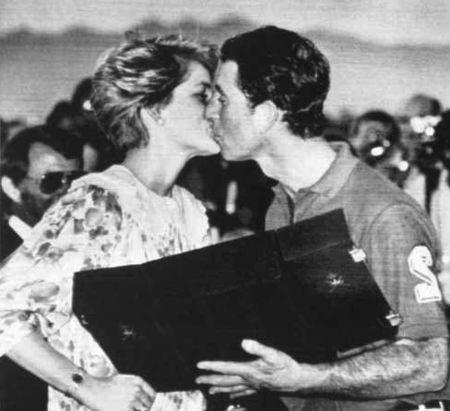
78, 232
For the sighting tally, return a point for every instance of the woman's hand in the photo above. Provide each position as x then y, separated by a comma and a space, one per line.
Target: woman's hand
117, 393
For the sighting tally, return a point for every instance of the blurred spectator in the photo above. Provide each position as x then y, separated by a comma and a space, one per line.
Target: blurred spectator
373, 134
440, 198
77, 117
375, 138
37, 165
64, 115
236, 195
81, 97
8, 129
421, 105
421, 114
3, 133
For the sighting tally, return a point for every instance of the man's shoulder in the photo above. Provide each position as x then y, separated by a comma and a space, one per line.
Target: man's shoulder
375, 192
367, 196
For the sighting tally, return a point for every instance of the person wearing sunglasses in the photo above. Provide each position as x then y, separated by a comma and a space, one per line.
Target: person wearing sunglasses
37, 166
150, 97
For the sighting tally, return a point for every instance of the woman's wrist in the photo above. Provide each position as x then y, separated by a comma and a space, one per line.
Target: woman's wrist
81, 385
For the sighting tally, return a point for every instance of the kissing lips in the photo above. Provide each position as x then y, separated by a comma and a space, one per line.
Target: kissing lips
214, 133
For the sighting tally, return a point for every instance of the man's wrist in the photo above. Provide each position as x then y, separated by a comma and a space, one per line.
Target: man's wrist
311, 378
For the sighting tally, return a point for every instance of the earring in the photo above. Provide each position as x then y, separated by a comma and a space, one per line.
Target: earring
160, 121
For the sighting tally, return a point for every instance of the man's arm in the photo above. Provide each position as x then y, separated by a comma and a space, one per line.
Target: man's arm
397, 369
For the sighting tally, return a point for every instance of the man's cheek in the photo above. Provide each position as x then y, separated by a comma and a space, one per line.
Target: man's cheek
230, 125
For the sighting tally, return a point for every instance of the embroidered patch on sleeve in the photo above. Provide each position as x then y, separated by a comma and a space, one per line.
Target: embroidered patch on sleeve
419, 263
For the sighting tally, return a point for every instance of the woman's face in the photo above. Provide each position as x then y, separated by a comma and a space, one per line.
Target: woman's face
184, 118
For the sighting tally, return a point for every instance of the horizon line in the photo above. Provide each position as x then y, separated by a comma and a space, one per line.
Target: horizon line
318, 29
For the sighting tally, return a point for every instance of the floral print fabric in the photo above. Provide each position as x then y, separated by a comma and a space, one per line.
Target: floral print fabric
106, 219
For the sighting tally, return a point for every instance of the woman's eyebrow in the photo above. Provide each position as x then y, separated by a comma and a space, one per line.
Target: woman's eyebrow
204, 85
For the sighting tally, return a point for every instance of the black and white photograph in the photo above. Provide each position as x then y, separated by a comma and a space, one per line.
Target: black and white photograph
217, 205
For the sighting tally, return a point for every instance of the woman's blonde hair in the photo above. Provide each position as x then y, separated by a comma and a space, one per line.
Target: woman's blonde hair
141, 74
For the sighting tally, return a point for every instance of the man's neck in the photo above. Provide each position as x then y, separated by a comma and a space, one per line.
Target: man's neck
296, 163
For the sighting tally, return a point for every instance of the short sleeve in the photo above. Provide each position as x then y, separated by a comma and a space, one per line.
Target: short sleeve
77, 233
401, 252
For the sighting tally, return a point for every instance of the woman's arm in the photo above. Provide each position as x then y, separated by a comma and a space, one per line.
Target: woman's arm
117, 393
35, 298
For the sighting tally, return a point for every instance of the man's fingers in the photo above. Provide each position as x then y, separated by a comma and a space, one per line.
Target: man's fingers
228, 390
220, 380
260, 350
243, 393
227, 367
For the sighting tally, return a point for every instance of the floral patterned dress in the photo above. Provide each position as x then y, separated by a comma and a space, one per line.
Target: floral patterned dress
106, 219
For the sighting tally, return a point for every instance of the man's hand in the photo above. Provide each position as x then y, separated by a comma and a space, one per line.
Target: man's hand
399, 368
273, 370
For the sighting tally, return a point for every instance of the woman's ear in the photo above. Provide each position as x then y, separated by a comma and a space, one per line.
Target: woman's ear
265, 115
10, 189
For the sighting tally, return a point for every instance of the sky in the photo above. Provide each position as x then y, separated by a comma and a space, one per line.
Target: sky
383, 21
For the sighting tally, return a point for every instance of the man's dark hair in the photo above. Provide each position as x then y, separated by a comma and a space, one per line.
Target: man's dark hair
392, 130
286, 68
15, 159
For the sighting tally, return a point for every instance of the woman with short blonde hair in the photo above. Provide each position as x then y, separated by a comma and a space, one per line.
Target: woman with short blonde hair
150, 98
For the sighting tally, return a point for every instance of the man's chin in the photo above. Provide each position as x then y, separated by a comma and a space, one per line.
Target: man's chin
35, 208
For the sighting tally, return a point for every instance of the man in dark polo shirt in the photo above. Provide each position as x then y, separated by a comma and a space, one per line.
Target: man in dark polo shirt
270, 89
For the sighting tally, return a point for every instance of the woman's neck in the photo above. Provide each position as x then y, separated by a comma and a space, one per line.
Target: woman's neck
156, 169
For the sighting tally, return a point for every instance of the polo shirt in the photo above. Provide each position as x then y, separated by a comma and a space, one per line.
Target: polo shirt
399, 241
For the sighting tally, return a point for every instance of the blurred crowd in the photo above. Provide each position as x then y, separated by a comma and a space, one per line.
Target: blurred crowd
39, 162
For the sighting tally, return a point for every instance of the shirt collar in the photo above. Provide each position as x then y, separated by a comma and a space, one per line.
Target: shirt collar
336, 175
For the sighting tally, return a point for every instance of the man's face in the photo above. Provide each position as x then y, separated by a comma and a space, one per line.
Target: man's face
369, 132
42, 159
232, 117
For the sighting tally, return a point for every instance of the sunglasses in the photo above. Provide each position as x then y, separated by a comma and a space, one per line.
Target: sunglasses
53, 181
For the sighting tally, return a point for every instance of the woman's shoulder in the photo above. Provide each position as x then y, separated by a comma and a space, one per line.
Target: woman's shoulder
194, 215
82, 199
84, 213
78, 232
187, 200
